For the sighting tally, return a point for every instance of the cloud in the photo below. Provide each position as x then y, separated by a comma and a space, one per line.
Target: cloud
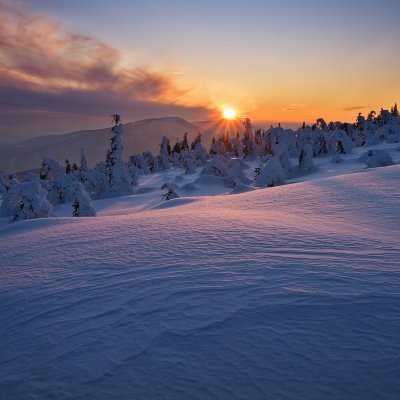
43, 69
295, 107
353, 108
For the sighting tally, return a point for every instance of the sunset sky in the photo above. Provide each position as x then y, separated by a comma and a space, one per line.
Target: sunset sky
67, 64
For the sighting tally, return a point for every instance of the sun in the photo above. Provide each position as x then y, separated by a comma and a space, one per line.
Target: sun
229, 113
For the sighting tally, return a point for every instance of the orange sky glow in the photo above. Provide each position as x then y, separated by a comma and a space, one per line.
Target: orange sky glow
273, 63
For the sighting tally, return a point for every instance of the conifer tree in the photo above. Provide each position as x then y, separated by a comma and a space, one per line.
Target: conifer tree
119, 181
165, 152
83, 164
184, 143
82, 205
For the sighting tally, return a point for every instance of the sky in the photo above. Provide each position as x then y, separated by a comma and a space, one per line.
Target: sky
67, 65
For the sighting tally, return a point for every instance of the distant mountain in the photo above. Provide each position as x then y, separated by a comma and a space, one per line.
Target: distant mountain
138, 136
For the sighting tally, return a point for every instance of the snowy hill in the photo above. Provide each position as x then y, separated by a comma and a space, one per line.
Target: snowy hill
290, 292
139, 136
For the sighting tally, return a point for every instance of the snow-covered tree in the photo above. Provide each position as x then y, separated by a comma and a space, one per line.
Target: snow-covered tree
376, 158
236, 173
28, 201
360, 122
67, 166
138, 161
188, 162
281, 152
237, 147
30, 177
6, 183
306, 158
199, 152
83, 164
215, 167
60, 189
82, 204
151, 161
165, 152
270, 174
119, 181
184, 143
337, 141
170, 191
218, 148
395, 111
249, 144
51, 169
95, 183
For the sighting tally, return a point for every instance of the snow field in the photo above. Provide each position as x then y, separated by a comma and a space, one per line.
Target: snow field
289, 292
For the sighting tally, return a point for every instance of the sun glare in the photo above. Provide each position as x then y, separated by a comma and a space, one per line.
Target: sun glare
229, 113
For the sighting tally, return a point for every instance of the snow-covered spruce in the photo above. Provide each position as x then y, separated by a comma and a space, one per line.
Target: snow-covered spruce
151, 161
306, 158
249, 144
119, 181
187, 161
199, 152
83, 161
217, 147
165, 153
82, 204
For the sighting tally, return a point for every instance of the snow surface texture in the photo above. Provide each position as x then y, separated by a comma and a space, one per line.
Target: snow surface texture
290, 292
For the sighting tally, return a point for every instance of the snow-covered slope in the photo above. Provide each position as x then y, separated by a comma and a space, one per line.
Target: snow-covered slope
139, 136
289, 292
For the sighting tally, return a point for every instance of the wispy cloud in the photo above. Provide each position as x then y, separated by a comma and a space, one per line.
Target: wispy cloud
353, 108
295, 107
44, 68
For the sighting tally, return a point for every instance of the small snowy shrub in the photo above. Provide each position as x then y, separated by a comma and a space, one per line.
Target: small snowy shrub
376, 158
170, 191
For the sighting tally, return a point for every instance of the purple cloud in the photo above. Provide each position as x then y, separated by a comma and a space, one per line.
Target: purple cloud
47, 73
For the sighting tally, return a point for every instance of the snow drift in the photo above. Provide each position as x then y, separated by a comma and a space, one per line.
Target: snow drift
285, 293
